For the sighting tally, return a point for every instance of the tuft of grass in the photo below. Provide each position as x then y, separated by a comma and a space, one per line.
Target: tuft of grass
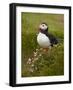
50, 63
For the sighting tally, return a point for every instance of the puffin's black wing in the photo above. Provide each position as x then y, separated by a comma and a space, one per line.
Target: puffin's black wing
53, 39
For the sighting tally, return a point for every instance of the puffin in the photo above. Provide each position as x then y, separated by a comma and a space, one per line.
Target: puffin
44, 38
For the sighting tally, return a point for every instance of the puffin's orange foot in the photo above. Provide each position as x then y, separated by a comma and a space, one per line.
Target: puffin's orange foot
45, 50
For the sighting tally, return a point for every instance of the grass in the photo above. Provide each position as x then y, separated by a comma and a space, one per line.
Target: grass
34, 61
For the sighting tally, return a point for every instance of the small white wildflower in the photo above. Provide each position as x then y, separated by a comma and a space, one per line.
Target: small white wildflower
33, 61
36, 68
36, 58
29, 61
40, 55
55, 45
35, 54
37, 49
31, 70
32, 65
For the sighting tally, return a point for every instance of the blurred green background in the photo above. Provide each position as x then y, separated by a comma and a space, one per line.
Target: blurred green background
47, 64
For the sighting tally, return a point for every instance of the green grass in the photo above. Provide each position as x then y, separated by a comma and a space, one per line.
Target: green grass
50, 63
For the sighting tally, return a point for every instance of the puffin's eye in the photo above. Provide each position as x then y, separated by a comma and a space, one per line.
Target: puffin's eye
43, 25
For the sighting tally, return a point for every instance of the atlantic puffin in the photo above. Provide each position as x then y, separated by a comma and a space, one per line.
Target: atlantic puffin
44, 38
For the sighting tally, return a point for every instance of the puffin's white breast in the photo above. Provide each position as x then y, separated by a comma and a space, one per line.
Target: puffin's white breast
43, 40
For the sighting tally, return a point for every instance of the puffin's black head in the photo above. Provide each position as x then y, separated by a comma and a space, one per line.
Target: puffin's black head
43, 28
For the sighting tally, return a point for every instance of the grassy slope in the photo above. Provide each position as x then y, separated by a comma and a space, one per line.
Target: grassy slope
51, 63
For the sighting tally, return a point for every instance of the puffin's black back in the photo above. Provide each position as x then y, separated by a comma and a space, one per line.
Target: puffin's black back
53, 39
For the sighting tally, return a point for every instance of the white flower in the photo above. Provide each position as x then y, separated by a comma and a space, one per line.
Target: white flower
35, 54
36, 49
40, 55
31, 70
36, 58
55, 45
29, 61
36, 68
32, 65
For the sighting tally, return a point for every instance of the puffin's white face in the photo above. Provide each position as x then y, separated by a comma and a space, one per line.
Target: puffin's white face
43, 27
